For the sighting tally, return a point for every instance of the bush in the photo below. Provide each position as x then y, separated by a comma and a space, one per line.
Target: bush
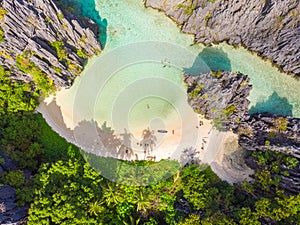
14, 178
43, 83
82, 54
281, 124
15, 96
58, 47
1, 35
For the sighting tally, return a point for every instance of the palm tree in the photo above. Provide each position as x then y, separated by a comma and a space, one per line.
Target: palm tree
143, 203
110, 194
95, 208
132, 221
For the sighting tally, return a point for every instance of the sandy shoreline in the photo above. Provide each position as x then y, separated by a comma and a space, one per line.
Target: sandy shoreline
209, 147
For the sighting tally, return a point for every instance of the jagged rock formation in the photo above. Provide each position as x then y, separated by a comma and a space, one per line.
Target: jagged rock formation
271, 132
271, 27
10, 213
220, 96
31, 27
214, 95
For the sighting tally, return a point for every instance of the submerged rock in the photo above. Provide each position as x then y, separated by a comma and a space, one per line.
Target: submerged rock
271, 28
31, 29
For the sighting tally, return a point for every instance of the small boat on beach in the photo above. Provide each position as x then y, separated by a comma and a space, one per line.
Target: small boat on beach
162, 131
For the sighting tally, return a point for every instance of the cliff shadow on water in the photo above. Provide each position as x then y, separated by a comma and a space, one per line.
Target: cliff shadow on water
210, 59
274, 104
87, 8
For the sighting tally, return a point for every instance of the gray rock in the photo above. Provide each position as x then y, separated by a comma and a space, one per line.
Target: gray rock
32, 26
7, 192
258, 132
271, 28
217, 95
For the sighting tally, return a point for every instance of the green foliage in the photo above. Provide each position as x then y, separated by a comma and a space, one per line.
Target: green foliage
75, 69
43, 83
216, 74
207, 17
14, 96
192, 219
58, 46
264, 179
248, 217
14, 178
55, 147
25, 195
189, 7
60, 16
18, 138
2, 13
218, 122
57, 70
229, 110
218, 218
47, 20
65, 192
195, 92
267, 143
82, 54
2, 35
281, 124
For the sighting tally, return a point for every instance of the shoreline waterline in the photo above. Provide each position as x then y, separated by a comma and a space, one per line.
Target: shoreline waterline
149, 25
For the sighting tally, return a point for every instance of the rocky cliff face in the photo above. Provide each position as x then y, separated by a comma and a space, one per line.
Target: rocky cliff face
271, 132
271, 27
56, 43
222, 97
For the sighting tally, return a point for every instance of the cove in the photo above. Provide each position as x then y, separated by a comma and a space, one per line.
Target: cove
135, 86
129, 22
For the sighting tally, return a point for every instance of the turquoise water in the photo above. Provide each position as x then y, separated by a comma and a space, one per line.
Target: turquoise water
128, 22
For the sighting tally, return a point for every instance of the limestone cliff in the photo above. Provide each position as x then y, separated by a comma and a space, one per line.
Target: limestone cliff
271, 28
222, 97
45, 39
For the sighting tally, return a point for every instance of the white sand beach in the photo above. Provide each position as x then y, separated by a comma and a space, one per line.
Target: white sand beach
206, 144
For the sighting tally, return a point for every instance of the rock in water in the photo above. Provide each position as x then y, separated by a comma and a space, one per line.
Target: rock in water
56, 43
271, 27
220, 96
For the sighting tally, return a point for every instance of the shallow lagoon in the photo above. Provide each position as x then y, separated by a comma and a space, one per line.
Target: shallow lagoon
125, 22
137, 82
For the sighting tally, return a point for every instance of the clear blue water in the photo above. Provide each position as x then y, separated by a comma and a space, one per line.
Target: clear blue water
137, 81
127, 21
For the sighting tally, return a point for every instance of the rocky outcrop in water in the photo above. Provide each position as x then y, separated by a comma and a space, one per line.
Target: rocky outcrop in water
57, 43
222, 97
271, 28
